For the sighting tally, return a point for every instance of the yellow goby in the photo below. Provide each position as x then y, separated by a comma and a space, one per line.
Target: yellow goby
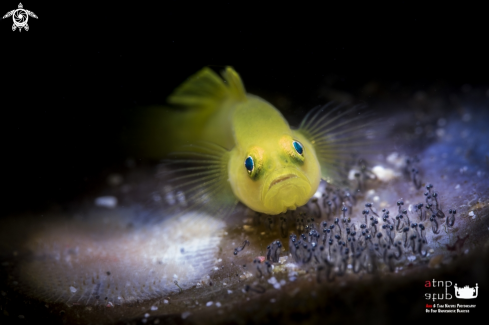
241, 148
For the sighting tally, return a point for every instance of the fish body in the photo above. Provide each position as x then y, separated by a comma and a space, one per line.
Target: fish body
247, 151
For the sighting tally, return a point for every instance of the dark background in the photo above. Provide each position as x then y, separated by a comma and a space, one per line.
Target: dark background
68, 83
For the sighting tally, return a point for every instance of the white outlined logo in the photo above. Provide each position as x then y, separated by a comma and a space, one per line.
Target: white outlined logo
467, 292
20, 17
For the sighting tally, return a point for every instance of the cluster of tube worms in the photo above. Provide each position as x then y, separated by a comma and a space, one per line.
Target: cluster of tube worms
333, 245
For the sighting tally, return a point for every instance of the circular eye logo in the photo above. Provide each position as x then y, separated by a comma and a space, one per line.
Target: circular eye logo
20, 17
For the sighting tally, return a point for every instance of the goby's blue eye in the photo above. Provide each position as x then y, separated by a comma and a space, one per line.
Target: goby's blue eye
298, 147
249, 164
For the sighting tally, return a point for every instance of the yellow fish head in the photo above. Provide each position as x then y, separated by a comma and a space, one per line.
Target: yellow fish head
276, 174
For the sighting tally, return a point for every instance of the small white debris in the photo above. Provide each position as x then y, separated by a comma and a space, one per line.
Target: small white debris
376, 198
351, 174
466, 251
292, 278
166, 301
384, 174
318, 195
457, 187
463, 169
472, 214
209, 303
218, 304
185, 314
216, 268
230, 292
273, 281
106, 201
440, 132
273, 300
246, 275
72, 289
411, 258
146, 315
282, 259
396, 159
154, 308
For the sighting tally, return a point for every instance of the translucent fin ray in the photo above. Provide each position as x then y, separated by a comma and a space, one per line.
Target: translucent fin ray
199, 181
337, 134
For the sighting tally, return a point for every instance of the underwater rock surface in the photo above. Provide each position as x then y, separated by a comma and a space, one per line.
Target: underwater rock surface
119, 265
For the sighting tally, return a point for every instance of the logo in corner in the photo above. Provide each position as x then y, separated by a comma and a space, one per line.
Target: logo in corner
20, 17
466, 292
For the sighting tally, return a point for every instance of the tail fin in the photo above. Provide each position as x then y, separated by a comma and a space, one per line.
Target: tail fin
195, 104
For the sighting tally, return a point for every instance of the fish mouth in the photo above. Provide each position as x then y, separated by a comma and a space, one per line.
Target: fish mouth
292, 191
281, 179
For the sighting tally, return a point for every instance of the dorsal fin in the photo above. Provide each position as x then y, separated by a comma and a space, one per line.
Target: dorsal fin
236, 87
197, 104
205, 90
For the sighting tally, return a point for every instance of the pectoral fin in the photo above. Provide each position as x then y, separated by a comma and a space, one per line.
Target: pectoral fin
336, 136
196, 179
